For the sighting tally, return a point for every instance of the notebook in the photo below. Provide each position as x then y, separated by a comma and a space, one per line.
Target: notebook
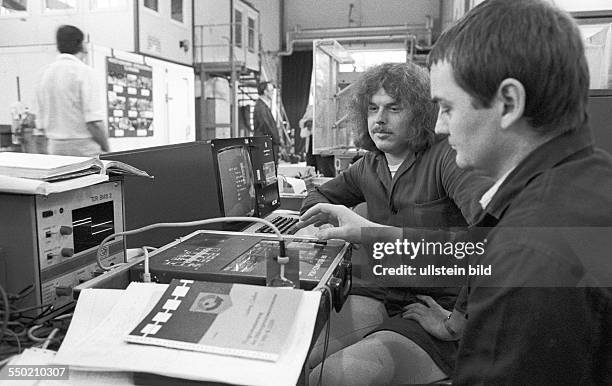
221, 318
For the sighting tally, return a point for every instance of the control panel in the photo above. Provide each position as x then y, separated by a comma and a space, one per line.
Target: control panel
50, 242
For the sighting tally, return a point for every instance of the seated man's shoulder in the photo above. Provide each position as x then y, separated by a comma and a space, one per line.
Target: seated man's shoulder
575, 192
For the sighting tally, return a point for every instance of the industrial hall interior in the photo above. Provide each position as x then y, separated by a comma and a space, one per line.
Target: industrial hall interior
305, 192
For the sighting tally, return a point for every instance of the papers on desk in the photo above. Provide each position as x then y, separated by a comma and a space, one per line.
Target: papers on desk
41, 357
25, 173
31, 186
98, 343
292, 186
49, 167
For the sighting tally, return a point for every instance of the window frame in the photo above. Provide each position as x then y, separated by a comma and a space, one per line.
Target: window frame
181, 22
16, 14
238, 26
66, 11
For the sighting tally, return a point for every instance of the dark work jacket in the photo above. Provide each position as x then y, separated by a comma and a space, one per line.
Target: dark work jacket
544, 315
264, 123
427, 191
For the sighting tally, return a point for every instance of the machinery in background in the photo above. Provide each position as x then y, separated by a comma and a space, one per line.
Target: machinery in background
25, 136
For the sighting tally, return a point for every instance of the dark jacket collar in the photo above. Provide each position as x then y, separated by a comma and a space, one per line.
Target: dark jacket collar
545, 157
383, 168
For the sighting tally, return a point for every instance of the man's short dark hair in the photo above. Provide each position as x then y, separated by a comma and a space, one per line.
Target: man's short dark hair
528, 40
69, 39
408, 84
262, 86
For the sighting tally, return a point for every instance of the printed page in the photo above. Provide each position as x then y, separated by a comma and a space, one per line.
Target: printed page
32, 186
105, 348
118, 167
221, 318
41, 166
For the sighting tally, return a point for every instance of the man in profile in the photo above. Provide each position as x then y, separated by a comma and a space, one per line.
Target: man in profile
511, 80
408, 178
71, 106
263, 120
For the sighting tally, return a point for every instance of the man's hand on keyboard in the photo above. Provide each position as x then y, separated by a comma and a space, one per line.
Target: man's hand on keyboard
346, 224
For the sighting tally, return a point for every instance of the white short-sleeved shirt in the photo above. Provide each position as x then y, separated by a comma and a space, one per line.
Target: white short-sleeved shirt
68, 96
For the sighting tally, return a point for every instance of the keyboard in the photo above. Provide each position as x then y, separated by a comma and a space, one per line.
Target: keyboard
286, 225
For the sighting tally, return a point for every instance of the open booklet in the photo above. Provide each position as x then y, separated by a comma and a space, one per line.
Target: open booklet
47, 167
18, 185
221, 318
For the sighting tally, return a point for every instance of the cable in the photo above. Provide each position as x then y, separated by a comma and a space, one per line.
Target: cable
188, 224
327, 331
24, 292
64, 316
18, 341
146, 276
5, 361
22, 310
31, 335
5, 317
50, 337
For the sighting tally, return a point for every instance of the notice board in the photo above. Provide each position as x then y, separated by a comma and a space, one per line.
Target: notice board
129, 98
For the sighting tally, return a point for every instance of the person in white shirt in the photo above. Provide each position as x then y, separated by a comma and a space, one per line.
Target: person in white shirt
71, 106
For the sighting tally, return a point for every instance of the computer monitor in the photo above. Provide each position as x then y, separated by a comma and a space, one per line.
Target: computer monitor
258, 156
184, 188
236, 181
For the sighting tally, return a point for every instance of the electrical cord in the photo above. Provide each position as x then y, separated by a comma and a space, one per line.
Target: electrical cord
31, 335
25, 309
327, 332
50, 338
24, 292
5, 316
21, 332
146, 276
64, 316
17, 340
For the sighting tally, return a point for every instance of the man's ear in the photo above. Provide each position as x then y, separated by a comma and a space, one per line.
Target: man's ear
511, 94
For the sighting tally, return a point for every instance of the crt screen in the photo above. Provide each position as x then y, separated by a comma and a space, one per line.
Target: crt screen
237, 185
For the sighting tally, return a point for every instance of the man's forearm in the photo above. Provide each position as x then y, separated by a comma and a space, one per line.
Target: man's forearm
313, 198
98, 133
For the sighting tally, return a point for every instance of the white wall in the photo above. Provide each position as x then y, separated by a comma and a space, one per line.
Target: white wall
173, 91
214, 36
25, 63
160, 34
111, 28
270, 19
331, 14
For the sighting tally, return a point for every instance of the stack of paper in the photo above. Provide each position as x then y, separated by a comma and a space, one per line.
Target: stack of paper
103, 347
44, 174
31, 186
47, 167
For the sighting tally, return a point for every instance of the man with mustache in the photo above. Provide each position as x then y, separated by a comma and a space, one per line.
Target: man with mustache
407, 179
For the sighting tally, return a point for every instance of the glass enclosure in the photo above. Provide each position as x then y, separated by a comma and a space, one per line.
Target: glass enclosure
331, 134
